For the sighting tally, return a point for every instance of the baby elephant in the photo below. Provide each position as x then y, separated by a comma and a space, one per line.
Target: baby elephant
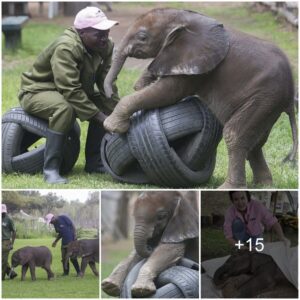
32, 257
88, 250
166, 229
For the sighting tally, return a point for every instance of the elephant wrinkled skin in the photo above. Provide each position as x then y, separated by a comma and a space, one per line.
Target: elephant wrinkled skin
245, 81
248, 274
31, 257
166, 229
88, 250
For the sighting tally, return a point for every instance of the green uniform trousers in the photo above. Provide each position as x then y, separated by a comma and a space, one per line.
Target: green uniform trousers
6, 247
52, 106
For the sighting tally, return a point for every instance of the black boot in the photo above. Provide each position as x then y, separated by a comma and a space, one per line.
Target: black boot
53, 157
76, 266
94, 137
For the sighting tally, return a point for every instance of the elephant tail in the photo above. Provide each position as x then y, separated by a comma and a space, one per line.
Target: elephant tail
291, 157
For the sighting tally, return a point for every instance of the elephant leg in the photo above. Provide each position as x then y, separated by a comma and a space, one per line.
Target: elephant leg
83, 265
112, 284
32, 270
49, 272
92, 265
164, 256
243, 132
259, 166
165, 91
24, 270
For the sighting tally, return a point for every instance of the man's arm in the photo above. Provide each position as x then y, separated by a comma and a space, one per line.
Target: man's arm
56, 240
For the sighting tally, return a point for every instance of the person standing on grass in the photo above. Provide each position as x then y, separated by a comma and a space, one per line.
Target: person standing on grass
66, 82
8, 239
67, 233
244, 220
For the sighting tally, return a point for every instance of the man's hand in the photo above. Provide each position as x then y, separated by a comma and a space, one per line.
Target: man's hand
54, 244
99, 117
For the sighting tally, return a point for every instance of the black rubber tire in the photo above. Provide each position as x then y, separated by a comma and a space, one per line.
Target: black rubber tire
118, 153
188, 284
160, 162
181, 119
199, 147
168, 291
19, 131
185, 279
133, 174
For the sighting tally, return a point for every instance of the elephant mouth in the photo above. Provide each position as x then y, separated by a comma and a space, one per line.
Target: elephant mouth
153, 242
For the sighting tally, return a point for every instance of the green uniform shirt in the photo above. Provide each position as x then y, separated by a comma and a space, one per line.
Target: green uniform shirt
8, 227
67, 67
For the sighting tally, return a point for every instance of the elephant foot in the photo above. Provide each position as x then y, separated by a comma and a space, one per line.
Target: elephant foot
144, 289
228, 185
110, 287
263, 180
116, 124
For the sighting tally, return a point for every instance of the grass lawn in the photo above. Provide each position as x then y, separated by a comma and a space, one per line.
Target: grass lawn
61, 287
240, 16
111, 254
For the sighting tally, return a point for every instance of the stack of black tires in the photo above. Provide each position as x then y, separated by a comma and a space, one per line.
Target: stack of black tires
23, 145
174, 146
180, 281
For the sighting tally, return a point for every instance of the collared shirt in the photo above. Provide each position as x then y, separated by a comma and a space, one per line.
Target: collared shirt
67, 67
8, 227
255, 216
65, 229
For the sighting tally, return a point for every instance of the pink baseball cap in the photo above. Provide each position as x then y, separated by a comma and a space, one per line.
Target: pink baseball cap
48, 218
3, 208
93, 17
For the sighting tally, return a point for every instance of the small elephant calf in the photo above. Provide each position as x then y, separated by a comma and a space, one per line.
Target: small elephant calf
32, 257
88, 250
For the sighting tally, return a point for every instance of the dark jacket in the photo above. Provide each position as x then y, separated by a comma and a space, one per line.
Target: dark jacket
66, 66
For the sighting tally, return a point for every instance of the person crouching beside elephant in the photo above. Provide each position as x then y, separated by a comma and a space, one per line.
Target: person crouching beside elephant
66, 82
8, 239
67, 233
245, 217
166, 229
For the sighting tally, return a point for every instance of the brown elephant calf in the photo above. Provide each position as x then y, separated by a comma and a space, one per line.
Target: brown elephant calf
166, 229
88, 250
31, 257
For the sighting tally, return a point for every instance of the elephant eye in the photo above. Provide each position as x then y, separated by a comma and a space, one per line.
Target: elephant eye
141, 36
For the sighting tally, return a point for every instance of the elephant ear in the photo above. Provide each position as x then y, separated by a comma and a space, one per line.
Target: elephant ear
183, 225
194, 47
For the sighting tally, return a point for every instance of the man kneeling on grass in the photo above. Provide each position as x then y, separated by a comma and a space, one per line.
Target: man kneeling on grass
66, 82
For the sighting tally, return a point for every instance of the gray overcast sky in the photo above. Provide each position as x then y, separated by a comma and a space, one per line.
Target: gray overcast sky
69, 195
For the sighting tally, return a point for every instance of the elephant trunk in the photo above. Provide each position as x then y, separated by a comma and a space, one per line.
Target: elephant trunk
118, 61
140, 241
